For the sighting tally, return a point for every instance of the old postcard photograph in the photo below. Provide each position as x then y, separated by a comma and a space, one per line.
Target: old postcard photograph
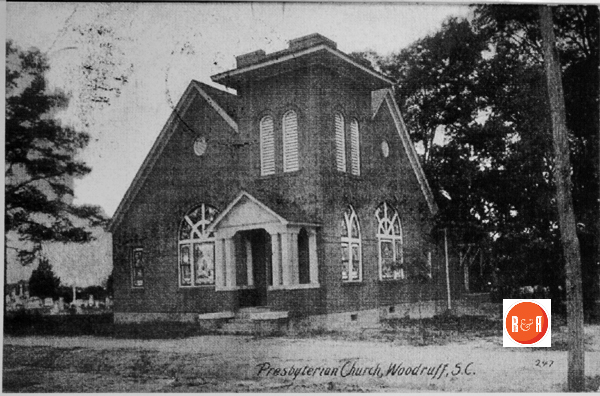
301, 197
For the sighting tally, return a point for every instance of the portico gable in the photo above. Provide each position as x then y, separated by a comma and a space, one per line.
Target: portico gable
291, 258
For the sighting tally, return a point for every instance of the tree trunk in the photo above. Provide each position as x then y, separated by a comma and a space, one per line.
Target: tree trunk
564, 201
597, 261
5, 274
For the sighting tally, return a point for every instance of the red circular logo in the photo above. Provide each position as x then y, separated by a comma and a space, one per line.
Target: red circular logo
526, 322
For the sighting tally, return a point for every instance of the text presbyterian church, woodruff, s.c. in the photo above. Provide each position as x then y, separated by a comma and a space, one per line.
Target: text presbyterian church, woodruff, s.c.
353, 369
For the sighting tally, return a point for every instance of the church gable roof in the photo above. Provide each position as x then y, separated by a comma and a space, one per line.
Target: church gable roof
222, 102
227, 101
246, 210
385, 99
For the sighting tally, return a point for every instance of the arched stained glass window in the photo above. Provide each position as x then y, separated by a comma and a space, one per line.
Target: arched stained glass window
389, 236
197, 247
351, 247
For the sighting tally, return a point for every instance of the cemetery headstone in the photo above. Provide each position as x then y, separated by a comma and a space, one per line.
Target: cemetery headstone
33, 303
55, 310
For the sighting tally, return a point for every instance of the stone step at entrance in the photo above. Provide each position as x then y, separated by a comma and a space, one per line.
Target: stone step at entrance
249, 320
260, 313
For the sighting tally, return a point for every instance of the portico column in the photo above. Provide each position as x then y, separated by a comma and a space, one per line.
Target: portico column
219, 264
276, 258
249, 269
286, 258
289, 257
312, 256
294, 272
230, 263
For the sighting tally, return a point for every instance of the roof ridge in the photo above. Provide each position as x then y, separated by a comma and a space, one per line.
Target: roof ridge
161, 141
205, 85
409, 148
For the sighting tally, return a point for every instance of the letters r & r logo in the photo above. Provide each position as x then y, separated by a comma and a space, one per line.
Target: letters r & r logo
526, 323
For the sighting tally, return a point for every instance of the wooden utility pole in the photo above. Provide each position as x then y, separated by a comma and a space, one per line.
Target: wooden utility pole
597, 261
564, 201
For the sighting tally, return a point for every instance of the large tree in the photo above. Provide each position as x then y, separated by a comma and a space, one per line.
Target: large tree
475, 101
41, 161
437, 82
514, 31
43, 282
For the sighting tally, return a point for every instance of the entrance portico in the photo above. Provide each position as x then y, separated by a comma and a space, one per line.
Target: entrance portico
257, 249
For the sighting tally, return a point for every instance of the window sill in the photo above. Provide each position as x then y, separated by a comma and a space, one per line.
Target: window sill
295, 287
349, 175
234, 288
281, 174
184, 287
405, 280
353, 283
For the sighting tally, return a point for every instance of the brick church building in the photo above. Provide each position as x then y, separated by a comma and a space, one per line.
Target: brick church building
301, 195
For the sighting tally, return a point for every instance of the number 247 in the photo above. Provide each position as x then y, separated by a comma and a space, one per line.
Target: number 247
544, 363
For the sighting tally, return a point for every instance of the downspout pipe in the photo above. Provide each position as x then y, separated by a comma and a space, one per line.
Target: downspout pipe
447, 268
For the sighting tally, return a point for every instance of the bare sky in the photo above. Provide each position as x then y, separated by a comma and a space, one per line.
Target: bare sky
161, 47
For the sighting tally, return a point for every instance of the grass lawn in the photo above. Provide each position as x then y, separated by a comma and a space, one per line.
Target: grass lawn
81, 353
25, 324
438, 330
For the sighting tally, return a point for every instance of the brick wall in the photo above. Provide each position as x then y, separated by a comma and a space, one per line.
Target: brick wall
180, 180
390, 179
275, 96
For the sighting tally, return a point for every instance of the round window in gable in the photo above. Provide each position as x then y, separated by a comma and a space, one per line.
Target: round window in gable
385, 149
200, 146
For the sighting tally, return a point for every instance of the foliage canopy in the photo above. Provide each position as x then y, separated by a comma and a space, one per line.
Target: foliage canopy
474, 99
43, 282
41, 160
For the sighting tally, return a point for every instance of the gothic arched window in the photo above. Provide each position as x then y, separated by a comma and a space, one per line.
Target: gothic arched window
354, 148
351, 247
290, 142
267, 146
197, 247
389, 237
340, 143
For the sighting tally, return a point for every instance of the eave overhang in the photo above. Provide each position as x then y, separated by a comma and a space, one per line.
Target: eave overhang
288, 61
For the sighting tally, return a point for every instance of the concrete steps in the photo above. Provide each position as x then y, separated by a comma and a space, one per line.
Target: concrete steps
260, 313
250, 320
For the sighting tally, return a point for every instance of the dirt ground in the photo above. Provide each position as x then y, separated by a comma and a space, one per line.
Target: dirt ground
283, 364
